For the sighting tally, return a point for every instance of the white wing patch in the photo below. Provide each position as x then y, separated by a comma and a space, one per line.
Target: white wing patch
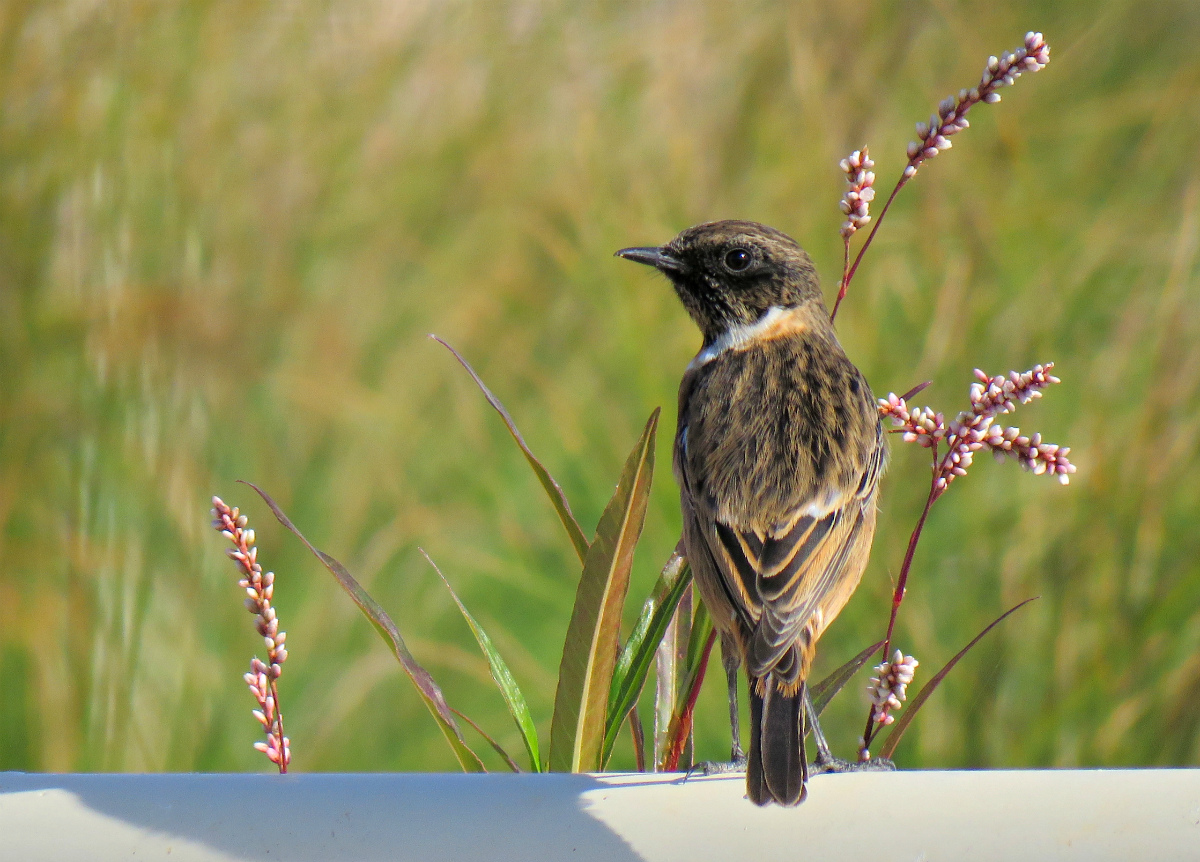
826, 503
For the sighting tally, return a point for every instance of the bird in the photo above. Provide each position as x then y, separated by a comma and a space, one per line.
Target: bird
778, 453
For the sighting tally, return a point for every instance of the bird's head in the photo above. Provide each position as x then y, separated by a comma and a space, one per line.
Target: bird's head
730, 273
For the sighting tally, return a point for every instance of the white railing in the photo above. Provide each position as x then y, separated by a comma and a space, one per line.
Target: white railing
1020, 815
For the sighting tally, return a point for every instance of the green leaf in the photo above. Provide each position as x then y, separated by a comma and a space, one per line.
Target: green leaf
889, 747
590, 650
824, 691
638, 734
669, 664
503, 677
633, 664
512, 764
426, 687
700, 645
553, 490
701, 629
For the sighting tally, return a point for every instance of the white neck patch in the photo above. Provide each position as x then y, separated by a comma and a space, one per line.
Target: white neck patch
739, 336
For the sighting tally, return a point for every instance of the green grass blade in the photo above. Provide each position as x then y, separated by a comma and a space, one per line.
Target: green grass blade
636, 657
429, 690
824, 691
701, 628
637, 733
699, 648
889, 747
553, 490
590, 650
509, 689
669, 663
509, 762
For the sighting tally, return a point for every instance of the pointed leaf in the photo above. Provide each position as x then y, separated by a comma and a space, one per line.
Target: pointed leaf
426, 687
889, 747
553, 490
916, 390
590, 651
503, 677
512, 764
638, 733
670, 661
701, 629
824, 691
633, 664
700, 645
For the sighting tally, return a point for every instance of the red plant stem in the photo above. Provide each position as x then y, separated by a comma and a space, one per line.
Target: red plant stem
639, 739
671, 762
845, 281
902, 582
848, 272
277, 728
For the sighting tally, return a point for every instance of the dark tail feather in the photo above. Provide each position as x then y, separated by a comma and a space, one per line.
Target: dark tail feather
776, 769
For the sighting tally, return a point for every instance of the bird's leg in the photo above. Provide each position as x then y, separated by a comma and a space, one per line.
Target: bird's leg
731, 662
824, 755
825, 761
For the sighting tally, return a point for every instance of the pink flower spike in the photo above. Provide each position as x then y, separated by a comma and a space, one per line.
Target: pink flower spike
950, 116
262, 680
859, 192
974, 429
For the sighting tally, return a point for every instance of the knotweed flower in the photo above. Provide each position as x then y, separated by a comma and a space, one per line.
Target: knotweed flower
933, 136
951, 115
860, 180
963, 436
975, 429
260, 587
888, 688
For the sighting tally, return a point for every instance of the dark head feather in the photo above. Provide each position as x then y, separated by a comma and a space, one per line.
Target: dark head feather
729, 273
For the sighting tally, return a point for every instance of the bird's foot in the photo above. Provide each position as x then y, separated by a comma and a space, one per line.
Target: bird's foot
836, 764
717, 767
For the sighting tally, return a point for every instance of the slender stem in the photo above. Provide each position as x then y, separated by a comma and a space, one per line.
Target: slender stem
684, 728
883, 212
276, 729
848, 272
638, 732
670, 656
845, 281
902, 582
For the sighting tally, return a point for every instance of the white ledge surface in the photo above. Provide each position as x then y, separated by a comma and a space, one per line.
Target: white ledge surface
1090, 815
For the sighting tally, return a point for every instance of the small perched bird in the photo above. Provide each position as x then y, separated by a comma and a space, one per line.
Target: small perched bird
778, 453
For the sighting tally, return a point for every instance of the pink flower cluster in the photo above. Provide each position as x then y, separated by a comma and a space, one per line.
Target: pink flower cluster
951, 115
856, 201
888, 688
975, 429
277, 748
260, 587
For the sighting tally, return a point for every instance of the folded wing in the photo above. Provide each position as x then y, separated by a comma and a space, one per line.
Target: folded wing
782, 576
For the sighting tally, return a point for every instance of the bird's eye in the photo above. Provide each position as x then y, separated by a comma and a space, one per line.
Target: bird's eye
738, 259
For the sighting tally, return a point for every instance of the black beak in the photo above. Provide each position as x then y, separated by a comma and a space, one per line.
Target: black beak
655, 257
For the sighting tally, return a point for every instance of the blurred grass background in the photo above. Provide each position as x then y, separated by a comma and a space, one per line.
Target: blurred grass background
225, 229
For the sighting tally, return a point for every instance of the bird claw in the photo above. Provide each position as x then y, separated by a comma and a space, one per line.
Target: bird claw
717, 767
837, 765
